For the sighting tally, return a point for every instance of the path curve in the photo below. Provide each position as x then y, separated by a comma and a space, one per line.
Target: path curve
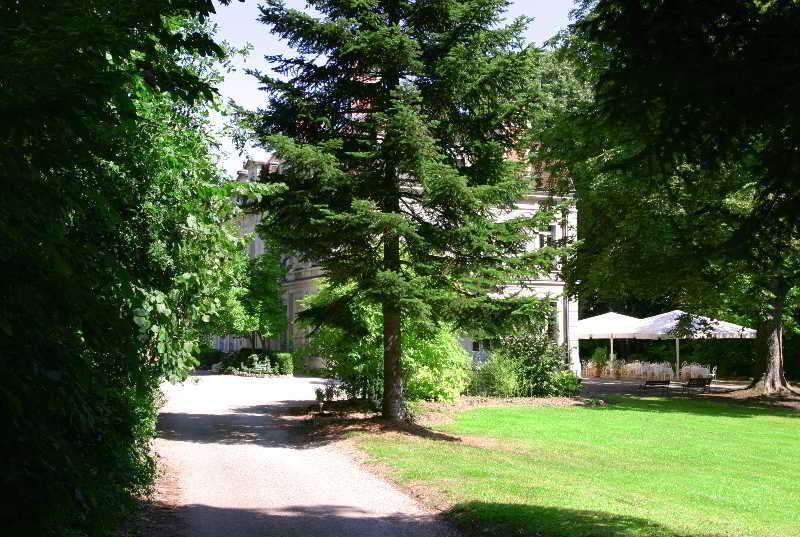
241, 473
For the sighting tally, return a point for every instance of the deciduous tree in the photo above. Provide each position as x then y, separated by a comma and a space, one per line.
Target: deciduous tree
691, 142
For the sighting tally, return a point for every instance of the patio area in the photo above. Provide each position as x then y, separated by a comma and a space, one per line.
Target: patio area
600, 386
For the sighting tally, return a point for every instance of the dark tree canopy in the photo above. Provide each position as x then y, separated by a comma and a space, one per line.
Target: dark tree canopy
396, 120
686, 157
111, 246
705, 82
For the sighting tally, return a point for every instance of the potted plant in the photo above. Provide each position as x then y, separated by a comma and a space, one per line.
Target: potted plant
600, 360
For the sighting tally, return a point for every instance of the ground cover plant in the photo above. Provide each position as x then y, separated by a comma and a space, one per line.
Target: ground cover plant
636, 467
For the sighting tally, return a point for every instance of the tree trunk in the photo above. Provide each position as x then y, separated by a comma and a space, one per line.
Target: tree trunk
261, 340
797, 355
394, 409
771, 379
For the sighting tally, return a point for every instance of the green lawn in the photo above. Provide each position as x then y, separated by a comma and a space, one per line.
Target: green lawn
642, 467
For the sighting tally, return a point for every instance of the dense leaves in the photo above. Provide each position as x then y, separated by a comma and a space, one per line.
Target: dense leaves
113, 244
397, 123
436, 365
524, 363
682, 159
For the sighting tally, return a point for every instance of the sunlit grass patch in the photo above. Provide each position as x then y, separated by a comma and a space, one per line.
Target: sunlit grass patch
640, 467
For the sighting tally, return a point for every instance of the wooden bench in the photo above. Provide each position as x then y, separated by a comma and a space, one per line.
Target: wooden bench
663, 385
702, 384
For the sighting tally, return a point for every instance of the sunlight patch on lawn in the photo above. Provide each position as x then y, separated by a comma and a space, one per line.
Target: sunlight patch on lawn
640, 467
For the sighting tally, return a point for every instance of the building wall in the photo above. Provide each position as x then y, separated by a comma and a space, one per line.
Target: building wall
303, 277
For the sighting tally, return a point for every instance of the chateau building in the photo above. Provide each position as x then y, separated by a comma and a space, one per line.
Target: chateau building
302, 279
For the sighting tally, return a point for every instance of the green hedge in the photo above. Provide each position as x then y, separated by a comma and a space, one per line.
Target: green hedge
259, 361
282, 363
206, 357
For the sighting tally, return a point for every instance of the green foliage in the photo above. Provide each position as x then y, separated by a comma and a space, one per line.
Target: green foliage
600, 357
398, 161
299, 364
503, 375
206, 356
685, 169
283, 363
524, 363
437, 367
547, 377
499, 376
258, 361
113, 244
243, 359
263, 299
251, 299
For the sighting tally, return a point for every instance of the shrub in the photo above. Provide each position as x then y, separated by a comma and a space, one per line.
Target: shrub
600, 356
299, 364
249, 360
526, 365
206, 357
566, 383
546, 378
436, 366
283, 363
498, 376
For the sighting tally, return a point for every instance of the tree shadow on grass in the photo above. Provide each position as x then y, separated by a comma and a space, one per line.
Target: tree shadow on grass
502, 519
707, 407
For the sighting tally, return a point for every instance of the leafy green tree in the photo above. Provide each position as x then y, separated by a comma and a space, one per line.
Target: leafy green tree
686, 151
397, 121
113, 242
263, 298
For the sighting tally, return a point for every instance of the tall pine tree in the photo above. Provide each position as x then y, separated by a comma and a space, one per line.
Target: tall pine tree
397, 122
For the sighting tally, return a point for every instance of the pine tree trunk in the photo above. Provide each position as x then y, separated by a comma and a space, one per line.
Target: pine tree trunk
771, 379
393, 401
394, 408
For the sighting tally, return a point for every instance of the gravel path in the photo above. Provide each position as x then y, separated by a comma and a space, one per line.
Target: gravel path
240, 472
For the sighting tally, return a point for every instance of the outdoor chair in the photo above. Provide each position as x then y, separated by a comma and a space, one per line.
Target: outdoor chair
699, 385
651, 384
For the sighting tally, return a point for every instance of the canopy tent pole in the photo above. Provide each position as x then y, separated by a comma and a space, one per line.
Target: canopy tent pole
678, 358
611, 355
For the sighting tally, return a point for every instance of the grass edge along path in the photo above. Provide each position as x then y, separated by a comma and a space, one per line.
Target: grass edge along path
645, 467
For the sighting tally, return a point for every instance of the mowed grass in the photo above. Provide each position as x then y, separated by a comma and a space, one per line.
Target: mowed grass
641, 467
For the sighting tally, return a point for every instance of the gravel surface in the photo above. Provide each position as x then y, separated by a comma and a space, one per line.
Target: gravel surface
242, 471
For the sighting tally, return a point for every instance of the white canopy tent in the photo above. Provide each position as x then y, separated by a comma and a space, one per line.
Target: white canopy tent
679, 325
674, 324
609, 326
